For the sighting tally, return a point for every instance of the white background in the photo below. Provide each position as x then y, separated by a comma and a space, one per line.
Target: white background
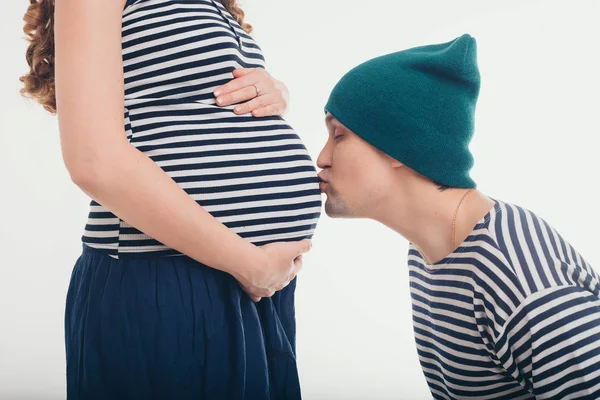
536, 144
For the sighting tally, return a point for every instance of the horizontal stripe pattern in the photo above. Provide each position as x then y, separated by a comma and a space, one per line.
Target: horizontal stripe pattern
513, 313
253, 174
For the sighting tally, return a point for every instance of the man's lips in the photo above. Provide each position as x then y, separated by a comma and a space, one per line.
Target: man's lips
322, 183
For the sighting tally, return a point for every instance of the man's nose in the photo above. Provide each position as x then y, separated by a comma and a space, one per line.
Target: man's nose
324, 160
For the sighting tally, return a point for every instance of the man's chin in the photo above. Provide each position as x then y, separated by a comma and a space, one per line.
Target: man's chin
336, 210
333, 215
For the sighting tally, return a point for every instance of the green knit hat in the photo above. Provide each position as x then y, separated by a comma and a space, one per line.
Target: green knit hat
416, 105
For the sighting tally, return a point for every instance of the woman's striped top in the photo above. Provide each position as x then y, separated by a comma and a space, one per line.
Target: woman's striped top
253, 174
513, 313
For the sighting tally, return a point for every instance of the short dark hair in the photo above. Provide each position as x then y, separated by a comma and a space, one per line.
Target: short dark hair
443, 187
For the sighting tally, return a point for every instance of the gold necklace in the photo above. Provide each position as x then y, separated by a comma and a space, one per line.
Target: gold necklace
452, 246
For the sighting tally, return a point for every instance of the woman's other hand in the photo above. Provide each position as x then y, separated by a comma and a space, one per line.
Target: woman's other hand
282, 263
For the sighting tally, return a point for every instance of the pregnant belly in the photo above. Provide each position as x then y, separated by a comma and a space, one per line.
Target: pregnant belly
253, 174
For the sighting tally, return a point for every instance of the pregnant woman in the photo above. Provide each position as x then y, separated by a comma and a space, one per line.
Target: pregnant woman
203, 199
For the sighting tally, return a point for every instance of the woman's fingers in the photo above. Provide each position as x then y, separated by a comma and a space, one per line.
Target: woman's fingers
286, 262
237, 73
254, 91
241, 80
243, 94
298, 262
257, 102
258, 105
256, 294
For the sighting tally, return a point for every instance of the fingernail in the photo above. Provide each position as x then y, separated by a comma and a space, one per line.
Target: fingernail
217, 92
237, 109
219, 100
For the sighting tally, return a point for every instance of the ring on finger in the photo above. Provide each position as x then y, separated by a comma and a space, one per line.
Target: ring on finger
257, 90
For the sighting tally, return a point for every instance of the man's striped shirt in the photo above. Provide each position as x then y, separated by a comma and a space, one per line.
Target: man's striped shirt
513, 313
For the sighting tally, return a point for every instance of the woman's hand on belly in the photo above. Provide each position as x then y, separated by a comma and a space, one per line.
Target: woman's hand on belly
262, 94
283, 261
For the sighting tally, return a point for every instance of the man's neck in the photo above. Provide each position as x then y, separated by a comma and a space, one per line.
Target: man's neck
425, 218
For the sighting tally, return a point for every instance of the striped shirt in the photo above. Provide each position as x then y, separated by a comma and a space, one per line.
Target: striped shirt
513, 313
252, 174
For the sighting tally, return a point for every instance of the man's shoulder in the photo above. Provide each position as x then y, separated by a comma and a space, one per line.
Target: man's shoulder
538, 254
510, 215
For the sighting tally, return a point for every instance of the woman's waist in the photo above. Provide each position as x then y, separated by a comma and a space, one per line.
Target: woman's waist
259, 222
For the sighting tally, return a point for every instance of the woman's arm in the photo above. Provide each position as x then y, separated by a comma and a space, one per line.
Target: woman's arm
89, 91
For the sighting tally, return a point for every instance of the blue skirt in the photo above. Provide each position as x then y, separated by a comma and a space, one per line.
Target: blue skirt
172, 328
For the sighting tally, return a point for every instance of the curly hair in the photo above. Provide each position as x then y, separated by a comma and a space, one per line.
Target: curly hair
237, 13
39, 30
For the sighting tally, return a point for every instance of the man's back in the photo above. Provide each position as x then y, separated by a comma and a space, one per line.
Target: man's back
513, 313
